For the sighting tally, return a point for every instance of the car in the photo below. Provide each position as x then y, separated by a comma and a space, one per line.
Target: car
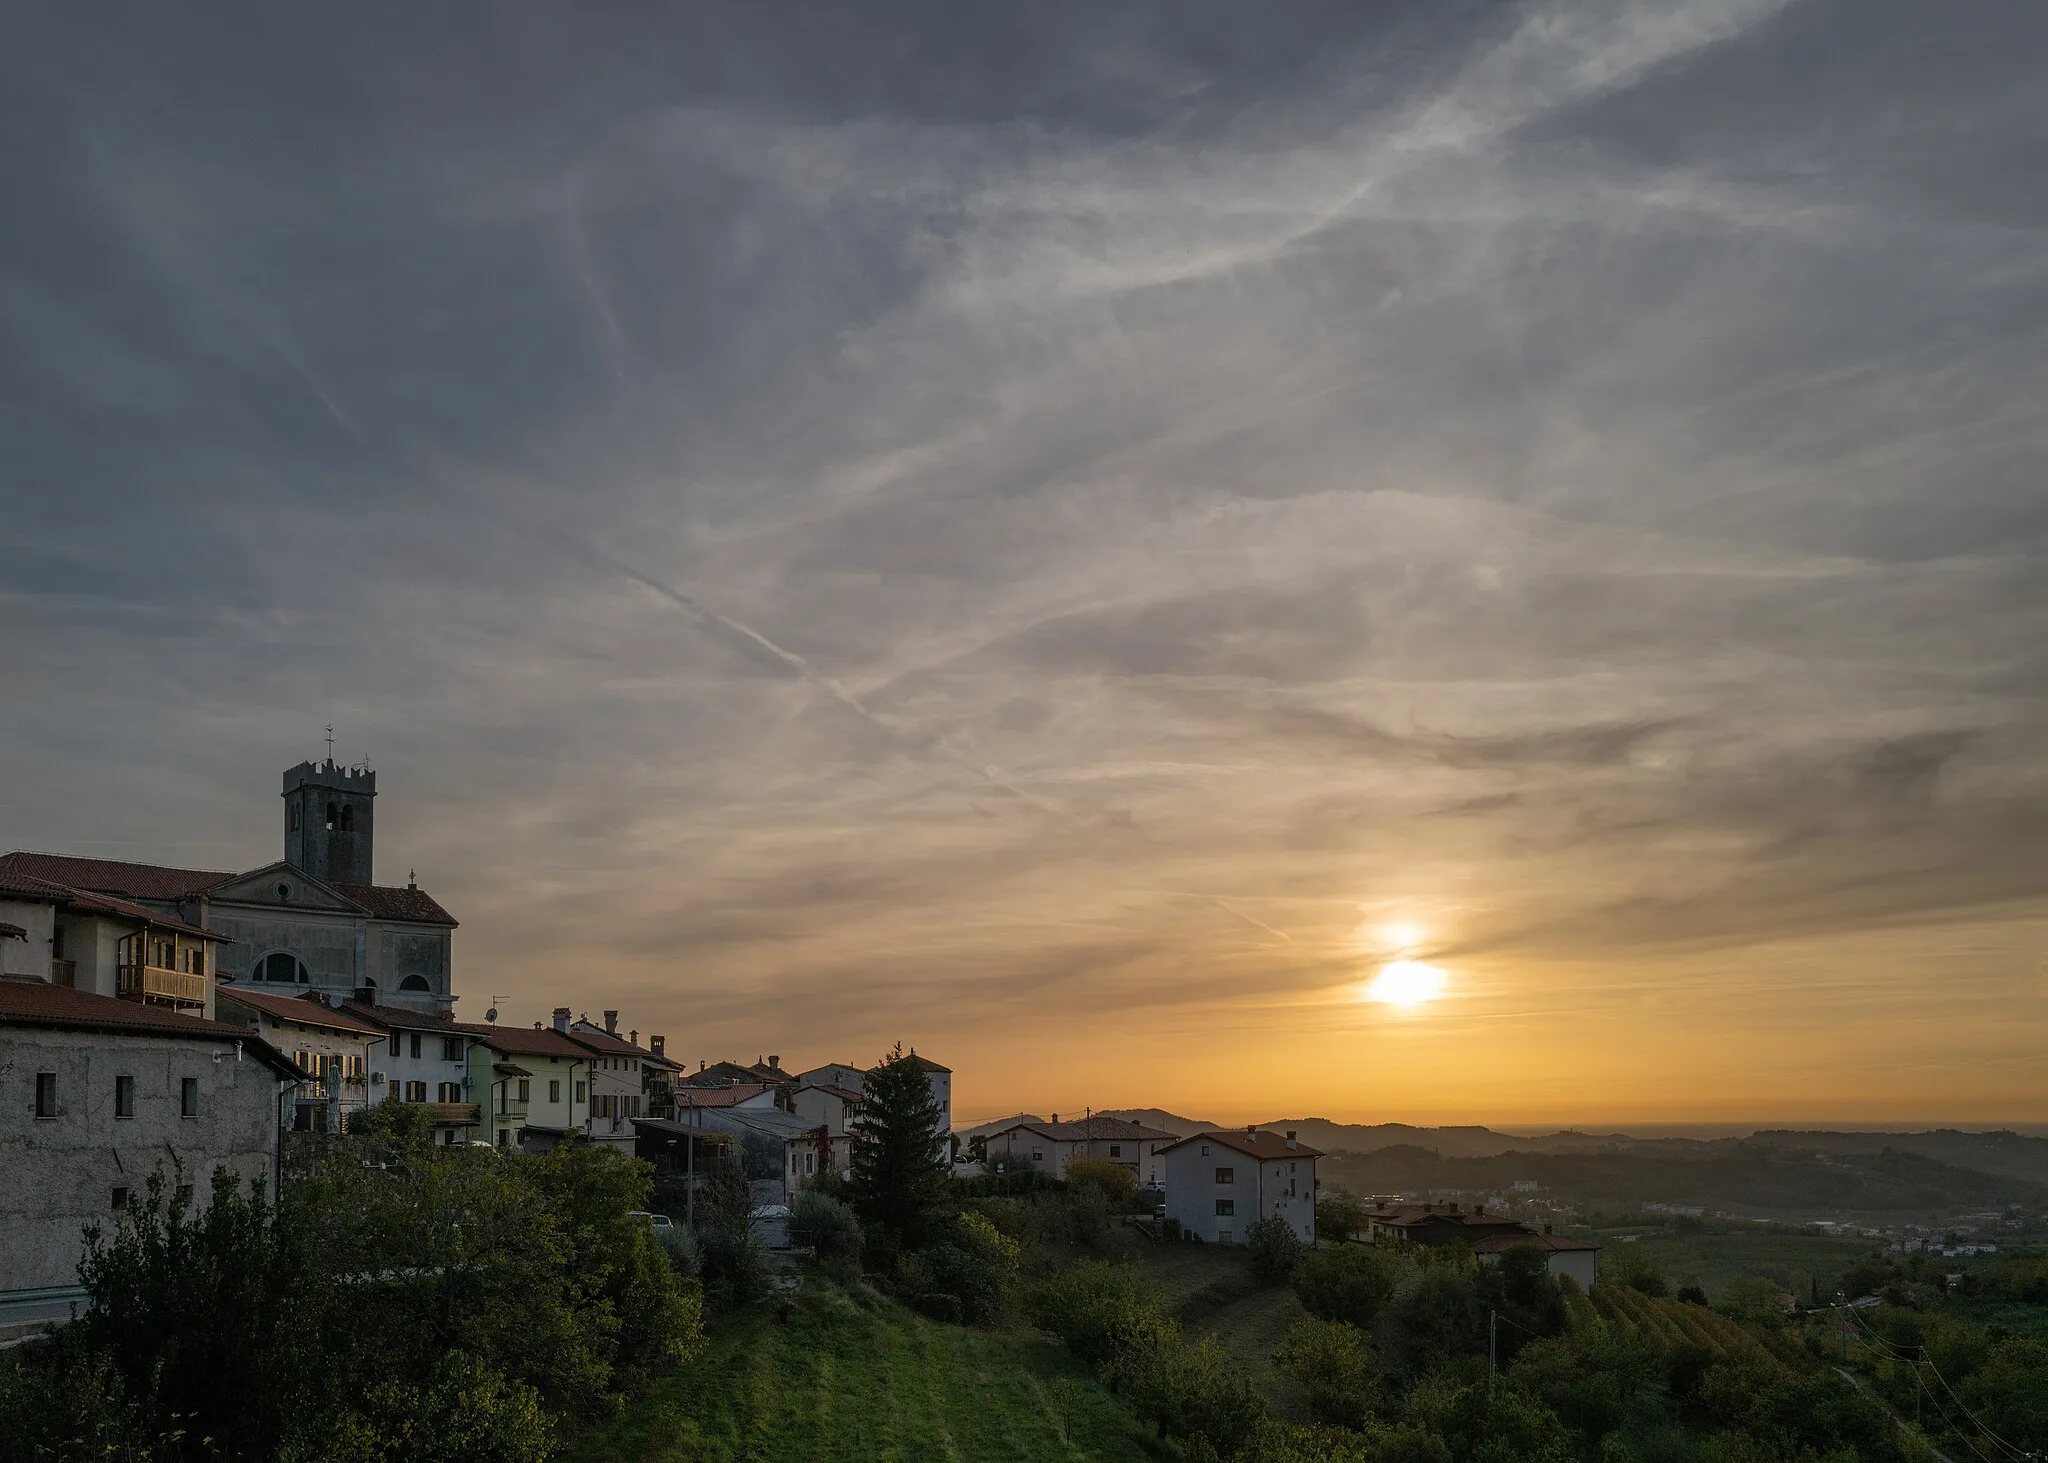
656, 1222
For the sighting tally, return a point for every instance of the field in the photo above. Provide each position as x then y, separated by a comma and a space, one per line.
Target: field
1792, 1260
824, 1378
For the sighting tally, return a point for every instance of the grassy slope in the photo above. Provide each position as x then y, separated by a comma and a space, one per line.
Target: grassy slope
826, 1379
1212, 1291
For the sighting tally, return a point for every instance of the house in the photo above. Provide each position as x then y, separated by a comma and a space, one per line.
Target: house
617, 1085
723, 1074
755, 1095
1564, 1255
832, 1108
782, 1152
1050, 1146
425, 1059
660, 1075
534, 1083
1218, 1183
854, 1079
834, 1074
96, 1094
331, 1046
100, 944
314, 920
1438, 1224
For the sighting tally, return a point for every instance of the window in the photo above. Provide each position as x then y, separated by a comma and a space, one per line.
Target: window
1226, 1175
1225, 1208
526, 1089
124, 1100
415, 1046
397, 1090
395, 1044
579, 1091
554, 1091
451, 1048
451, 1092
46, 1094
413, 983
188, 1097
1116, 1150
333, 816
1205, 1150
415, 1092
295, 818
281, 968
1038, 1155
120, 1201
348, 820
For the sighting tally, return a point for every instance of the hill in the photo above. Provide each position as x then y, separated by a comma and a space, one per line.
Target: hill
2011, 1154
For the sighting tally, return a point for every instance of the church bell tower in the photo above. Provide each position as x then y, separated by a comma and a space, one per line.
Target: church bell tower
329, 820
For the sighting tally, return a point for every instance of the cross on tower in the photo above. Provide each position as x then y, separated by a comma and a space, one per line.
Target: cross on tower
330, 741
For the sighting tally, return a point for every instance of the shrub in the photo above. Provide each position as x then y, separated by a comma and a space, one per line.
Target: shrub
1117, 1184
1432, 1318
1349, 1284
825, 1225
1275, 1248
1489, 1424
1189, 1390
1097, 1310
965, 1276
466, 1414
1340, 1215
679, 1243
1634, 1267
1333, 1363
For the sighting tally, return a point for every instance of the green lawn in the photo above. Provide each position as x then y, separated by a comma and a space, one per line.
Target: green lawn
1792, 1260
824, 1378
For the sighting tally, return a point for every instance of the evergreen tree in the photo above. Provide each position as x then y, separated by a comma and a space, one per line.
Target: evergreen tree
900, 1175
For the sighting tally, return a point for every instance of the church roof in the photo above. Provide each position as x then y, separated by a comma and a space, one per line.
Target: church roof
407, 905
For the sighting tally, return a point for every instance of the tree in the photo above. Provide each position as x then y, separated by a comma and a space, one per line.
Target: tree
1117, 1183
1333, 1363
1340, 1215
1275, 1248
1098, 1310
1635, 1267
1433, 1318
1349, 1284
900, 1173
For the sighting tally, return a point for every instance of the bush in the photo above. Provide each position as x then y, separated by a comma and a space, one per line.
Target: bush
679, 1243
826, 1226
1350, 1284
1333, 1363
1634, 1267
466, 1414
965, 1276
1117, 1184
1340, 1216
1433, 1318
1275, 1248
1489, 1424
1097, 1310
1189, 1390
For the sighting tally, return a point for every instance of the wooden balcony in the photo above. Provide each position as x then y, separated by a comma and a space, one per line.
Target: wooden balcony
148, 983
453, 1114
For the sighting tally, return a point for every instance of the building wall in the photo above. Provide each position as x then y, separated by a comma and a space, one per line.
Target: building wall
338, 1051
1274, 1186
30, 957
565, 1109
58, 1175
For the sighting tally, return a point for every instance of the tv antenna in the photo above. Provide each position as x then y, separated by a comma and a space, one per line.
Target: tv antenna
330, 741
492, 1014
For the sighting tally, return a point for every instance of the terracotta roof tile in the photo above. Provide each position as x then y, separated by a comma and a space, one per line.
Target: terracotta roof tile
112, 876
408, 906
525, 1041
1261, 1144
1496, 1243
688, 1097
36, 1003
307, 1011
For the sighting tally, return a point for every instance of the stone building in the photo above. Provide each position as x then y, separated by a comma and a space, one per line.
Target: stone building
97, 1094
314, 921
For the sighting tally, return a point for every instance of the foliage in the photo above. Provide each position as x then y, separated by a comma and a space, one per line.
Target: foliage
1333, 1362
1274, 1247
1519, 1287
1635, 1267
1433, 1317
963, 1275
1097, 1310
679, 1243
444, 1302
2008, 1393
731, 1261
1479, 1423
1347, 1283
1117, 1184
1340, 1215
901, 1177
825, 1225
1188, 1390
401, 1127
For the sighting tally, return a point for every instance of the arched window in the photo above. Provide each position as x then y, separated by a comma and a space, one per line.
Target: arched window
281, 968
414, 983
348, 820
333, 816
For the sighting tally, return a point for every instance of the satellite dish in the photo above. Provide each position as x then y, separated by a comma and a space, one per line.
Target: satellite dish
492, 1014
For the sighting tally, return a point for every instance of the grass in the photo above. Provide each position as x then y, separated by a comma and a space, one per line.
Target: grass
1212, 1291
829, 1378
1794, 1261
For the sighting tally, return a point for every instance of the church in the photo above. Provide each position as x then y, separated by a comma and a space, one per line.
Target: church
314, 921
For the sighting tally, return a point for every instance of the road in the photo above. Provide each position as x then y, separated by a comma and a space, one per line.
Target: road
25, 1312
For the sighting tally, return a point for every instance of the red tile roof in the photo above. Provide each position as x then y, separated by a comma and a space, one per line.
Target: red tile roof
399, 1018
604, 1041
525, 1041
1093, 1130
1496, 1243
306, 1010
1261, 1144
49, 891
687, 1097
112, 876
408, 906
35, 1003
839, 1092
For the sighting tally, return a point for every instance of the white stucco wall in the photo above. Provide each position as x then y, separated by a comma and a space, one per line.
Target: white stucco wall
58, 1174
1285, 1187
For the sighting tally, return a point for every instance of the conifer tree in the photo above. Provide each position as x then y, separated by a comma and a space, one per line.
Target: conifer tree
900, 1172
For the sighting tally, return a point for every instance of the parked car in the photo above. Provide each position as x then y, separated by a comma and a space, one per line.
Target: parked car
656, 1222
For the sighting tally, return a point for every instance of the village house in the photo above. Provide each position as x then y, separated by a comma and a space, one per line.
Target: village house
100, 944
331, 1046
1050, 1146
97, 1094
1486, 1235
616, 1081
1219, 1183
782, 1152
854, 1079
660, 1076
534, 1083
425, 1059
1563, 1254
833, 1109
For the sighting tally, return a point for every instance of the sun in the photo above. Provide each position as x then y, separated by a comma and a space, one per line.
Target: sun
1401, 935
1406, 983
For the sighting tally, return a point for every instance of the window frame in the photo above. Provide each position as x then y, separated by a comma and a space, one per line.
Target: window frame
124, 1096
1226, 1209
188, 1097
46, 1097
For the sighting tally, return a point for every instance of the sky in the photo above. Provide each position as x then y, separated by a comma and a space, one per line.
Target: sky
1076, 536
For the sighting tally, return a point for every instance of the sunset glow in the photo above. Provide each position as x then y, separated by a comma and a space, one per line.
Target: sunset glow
1406, 983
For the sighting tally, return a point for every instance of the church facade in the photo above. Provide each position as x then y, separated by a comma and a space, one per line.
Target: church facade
315, 921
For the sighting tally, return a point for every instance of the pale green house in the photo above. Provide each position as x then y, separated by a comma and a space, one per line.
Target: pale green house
532, 1083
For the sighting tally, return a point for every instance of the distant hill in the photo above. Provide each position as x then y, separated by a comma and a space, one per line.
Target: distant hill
1454, 1142
981, 1129
1156, 1117
2013, 1155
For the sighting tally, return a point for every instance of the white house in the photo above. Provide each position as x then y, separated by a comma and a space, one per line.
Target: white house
329, 1045
424, 1059
1577, 1258
1218, 1183
833, 1109
96, 1094
854, 1079
534, 1084
617, 1084
1050, 1146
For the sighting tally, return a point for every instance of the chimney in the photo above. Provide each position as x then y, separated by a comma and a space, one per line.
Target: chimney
611, 1023
634, 1036
658, 1045
1290, 1139
562, 1019
700, 1064
1251, 1130
775, 1062
1055, 1117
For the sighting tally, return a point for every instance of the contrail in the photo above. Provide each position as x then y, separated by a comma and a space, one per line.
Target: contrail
1258, 924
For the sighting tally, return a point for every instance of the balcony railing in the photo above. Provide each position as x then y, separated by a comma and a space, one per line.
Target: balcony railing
147, 982
459, 1114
